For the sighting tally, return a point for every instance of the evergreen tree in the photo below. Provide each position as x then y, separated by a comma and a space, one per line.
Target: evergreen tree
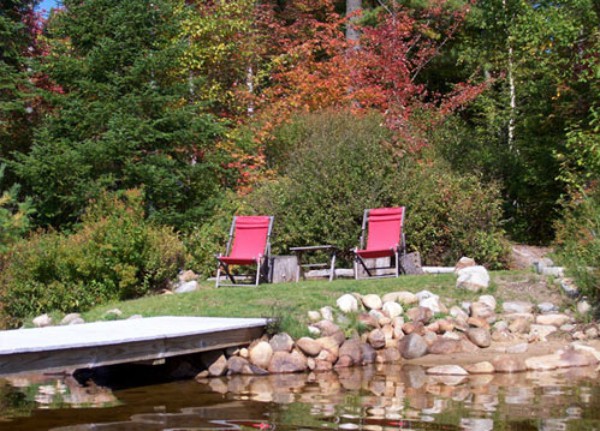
123, 115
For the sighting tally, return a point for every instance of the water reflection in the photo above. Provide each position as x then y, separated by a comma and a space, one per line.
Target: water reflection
377, 398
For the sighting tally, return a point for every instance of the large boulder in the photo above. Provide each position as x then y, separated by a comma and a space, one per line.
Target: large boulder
308, 346
260, 354
372, 301
413, 346
284, 362
347, 303
473, 278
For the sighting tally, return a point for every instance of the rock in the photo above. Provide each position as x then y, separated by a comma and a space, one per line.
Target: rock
313, 330
392, 309
260, 354
577, 358
464, 262
388, 331
433, 327
473, 278
406, 298
189, 286
372, 301
518, 348
478, 322
480, 337
351, 349
412, 346
488, 300
585, 348
447, 370
329, 349
42, 321
347, 303
284, 362
327, 313
552, 319
113, 314
430, 337
411, 263
390, 355
583, 307
483, 311
433, 303
367, 321
410, 328
282, 342
520, 325
368, 353
446, 325
377, 339
424, 294
188, 275
444, 346
343, 362
483, 367
72, 319
517, 307
458, 313
547, 307
553, 271
508, 364
215, 362
419, 314
238, 365
308, 346
467, 346
473, 424
314, 316
591, 332
540, 332
377, 315
327, 327
544, 363
323, 365
503, 335
244, 353
134, 316
569, 287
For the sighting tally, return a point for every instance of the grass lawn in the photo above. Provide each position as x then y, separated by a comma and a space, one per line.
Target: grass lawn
288, 302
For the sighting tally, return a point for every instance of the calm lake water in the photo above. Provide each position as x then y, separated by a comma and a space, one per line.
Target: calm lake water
377, 398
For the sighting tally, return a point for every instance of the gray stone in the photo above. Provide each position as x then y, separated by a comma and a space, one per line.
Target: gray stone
517, 307
482, 311
433, 303
458, 313
520, 325
72, 319
327, 327
327, 313
376, 339
392, 309
488, 300
583, 307
448, 370
347, 303
314, 316
215, 362
42, 321
547, 307
444, 346
281, 342
413, 346
188, 286
540, 332
238, 365
419, 314
480, 337
569, 287
518, 348
352, 349
368, 353
411, 263
473, 278
284, 362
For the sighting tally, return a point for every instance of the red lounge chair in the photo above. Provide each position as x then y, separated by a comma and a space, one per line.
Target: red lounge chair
250, 236
385, 238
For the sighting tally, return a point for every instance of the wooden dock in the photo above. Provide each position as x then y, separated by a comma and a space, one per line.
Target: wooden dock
88, 345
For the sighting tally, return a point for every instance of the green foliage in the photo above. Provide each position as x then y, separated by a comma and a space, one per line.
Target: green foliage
126, 116
114, 254
578, 242
14, 215
335, 165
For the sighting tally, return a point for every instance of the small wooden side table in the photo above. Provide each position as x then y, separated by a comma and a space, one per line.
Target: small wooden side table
300, 251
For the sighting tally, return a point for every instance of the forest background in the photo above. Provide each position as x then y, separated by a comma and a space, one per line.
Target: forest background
131, 132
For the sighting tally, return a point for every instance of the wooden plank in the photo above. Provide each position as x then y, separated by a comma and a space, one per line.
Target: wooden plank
109, 343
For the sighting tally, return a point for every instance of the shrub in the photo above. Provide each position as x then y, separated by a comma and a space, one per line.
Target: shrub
578, 242
113, 254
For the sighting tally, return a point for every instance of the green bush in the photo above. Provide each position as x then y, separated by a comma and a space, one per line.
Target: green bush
114, 254
334, 165
578, 242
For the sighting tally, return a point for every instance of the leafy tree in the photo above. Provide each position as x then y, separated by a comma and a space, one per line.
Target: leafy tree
125, 116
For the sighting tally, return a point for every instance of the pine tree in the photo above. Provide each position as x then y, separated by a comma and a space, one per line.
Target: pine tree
124, 116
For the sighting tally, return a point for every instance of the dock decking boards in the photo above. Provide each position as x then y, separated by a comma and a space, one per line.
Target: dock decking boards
57, 348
